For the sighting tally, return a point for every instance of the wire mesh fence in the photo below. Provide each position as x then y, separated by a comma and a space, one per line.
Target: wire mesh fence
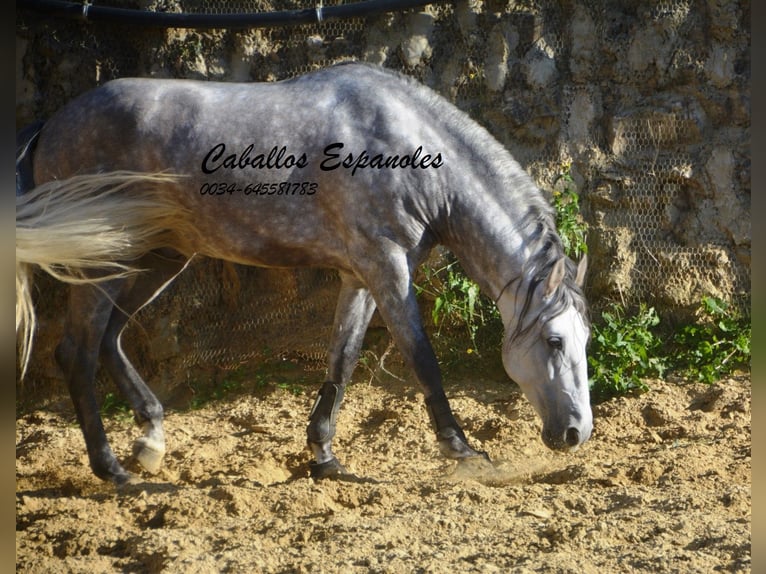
526, 70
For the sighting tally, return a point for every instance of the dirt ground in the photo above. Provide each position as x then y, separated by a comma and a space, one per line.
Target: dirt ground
664, 485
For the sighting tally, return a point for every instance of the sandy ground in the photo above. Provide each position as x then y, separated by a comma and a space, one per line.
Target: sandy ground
664, 485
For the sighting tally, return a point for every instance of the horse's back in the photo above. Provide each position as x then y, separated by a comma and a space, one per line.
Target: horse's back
253, 155
130, 123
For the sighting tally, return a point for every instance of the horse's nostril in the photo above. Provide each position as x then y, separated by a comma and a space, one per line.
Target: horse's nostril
572, 437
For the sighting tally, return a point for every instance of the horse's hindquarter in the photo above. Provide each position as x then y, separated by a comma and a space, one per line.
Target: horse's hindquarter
261, 163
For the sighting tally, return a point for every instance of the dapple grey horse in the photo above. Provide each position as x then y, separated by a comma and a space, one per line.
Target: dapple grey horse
351, 167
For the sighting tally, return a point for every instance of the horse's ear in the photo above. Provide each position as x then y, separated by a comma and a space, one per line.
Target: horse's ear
582, 267
556, 277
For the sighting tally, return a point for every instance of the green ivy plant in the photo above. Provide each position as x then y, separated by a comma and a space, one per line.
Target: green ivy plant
113, 405
628, 349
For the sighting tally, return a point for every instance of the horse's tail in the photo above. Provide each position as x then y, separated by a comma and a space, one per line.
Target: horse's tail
99, 222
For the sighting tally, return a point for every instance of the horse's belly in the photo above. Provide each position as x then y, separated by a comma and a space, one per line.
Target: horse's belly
277, 230
259, 247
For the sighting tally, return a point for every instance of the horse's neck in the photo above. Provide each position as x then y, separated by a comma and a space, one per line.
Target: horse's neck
489, 242
490, 207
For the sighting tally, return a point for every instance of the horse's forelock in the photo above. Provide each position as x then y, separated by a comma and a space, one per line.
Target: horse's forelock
537, 270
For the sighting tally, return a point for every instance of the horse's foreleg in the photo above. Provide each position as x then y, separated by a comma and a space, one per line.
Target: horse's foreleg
352, 316
159, 271
77, 354
412, 341
398, 306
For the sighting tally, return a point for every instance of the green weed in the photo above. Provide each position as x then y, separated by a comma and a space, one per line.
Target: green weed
271, 372
715, 346
457, 302
570, 224
624, 351
115, 406
209, 391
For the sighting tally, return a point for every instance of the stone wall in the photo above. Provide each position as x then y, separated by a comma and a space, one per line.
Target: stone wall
646, 104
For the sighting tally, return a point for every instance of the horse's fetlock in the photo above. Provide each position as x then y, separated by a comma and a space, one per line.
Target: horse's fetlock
105, 466
319, 431
440, 414
150, 414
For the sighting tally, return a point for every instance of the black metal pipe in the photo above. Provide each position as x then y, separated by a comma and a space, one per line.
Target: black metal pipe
90, 12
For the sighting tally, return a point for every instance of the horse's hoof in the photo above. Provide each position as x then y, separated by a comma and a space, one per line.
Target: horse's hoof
329, 469
149, 454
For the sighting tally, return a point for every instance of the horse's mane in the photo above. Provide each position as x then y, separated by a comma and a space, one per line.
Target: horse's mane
548, 251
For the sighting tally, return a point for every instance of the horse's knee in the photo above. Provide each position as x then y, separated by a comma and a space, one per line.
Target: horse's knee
109, 351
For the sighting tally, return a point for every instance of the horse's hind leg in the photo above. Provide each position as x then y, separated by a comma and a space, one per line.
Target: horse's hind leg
352, 316
90, 307
158, 271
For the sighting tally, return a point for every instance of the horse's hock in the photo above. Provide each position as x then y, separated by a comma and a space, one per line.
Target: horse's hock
647, 105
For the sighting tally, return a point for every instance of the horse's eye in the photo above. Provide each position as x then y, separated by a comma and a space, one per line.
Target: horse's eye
555, 343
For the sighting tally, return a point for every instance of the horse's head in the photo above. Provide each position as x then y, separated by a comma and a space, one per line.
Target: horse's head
547, 331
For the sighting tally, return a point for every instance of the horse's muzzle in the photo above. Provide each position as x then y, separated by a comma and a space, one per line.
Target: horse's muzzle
567, 440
